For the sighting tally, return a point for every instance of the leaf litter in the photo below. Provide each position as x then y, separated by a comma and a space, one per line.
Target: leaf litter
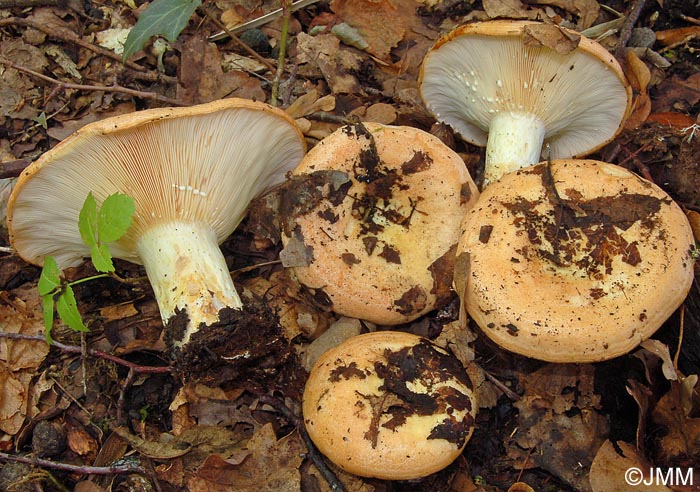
549, 426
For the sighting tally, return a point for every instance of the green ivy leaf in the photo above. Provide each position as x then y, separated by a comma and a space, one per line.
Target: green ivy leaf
114, 217
165, 18
101, 258
50, 279
87, 221
68, 310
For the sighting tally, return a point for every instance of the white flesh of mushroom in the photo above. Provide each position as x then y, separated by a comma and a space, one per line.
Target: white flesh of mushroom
192, 173
518, 97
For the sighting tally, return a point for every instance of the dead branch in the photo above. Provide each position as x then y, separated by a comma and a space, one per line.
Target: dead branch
71, 37
82, 87
82, 469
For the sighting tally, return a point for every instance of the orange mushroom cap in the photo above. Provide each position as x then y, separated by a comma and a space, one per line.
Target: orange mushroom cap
577, 261
380, 241
389, 405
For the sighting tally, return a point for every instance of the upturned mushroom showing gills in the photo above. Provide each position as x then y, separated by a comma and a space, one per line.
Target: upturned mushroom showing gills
573, 260
389, 405
192, 173
373, 217
499, 87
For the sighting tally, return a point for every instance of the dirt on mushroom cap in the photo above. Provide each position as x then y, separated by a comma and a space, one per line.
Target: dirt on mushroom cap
575, 261
381, 204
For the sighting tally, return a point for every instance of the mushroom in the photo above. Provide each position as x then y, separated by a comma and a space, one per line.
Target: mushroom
192, 173
573, 260
389, 405
497, 86
373, 218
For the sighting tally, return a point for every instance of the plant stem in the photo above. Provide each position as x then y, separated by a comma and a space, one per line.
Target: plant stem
286, 14
82, 469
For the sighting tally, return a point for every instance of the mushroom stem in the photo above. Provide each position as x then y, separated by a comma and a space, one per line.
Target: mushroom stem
515, 141
188, 272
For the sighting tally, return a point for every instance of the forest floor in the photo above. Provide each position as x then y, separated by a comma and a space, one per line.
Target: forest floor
104, 411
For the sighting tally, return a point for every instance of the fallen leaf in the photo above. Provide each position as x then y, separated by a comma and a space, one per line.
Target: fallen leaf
21, 312
377, 21
676, 93
272, 465
639, 77
587, 10
678, 443
202, 78
559, 411
615, 469
677, 121
673, 37
13, 402
505, 8
560, 40
335, 64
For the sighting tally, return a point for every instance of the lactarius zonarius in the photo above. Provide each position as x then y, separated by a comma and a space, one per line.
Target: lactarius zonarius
373, 218
573, 260
192, 173
513, 85
389, 405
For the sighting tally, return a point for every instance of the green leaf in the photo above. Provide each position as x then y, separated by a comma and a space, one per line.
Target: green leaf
50, 279
114, 217
101, 258
68, 310
47, 307
165, 18
87, 221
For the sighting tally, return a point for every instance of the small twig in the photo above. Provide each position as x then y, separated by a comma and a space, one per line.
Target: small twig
286, 14
505, 389
677, 355
134, 369
81, 87
326, 117
71, 37
6, 250
316, 458
238, 41
81, 469
626, 30
75, 349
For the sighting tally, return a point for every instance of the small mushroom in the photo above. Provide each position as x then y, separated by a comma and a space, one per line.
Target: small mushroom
373, 218
192, 173
497, 86
573, 260
389, 405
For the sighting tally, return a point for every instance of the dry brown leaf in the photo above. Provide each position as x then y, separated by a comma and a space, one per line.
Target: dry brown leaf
80, 441
377, 21
271, 465
13, 402
694, 219
21, 312
680, 441
559, 423
639, 77
676, 93
202, 78
673, 37
335, 64
587, 10
551, 36
506, 8
611, 467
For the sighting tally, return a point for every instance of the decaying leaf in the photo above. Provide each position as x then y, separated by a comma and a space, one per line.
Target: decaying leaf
551, 36
679, 443
374, 20
336, 65
272, 465
587, 10
559, 422
611, 467
506, 8
639, 76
